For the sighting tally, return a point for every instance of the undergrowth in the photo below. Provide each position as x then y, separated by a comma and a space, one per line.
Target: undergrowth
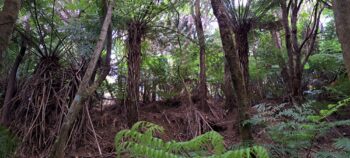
295, 130
140, 141
7, 143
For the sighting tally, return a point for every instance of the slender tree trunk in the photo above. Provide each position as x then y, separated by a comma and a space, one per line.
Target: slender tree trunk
8, 17
121, 86
146, 94
298, 53
275, 34
294, 53
135, 32
228, 89
232, 57
154, 91
203, 90
84, 91
109, 41
11, 84
276, 38
342, 23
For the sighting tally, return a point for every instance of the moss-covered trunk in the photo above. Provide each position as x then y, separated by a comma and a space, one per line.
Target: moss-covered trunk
8, 17
232, 57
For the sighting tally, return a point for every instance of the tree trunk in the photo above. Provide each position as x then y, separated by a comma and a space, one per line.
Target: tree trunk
84, 91
232, 57
203, 90
298, 53
154, 91
275, 34
228, 89
135, 32
242, 46
11, 84
8, 17
146, 94
294, 71
109, 40
342, 23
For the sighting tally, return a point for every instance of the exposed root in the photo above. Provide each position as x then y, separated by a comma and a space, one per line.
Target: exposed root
40, 105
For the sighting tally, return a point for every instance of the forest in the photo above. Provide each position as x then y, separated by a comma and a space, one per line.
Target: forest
175, 78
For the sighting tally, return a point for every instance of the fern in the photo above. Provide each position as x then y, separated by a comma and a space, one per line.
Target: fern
331, 108
295, 129
343, 150
139, 141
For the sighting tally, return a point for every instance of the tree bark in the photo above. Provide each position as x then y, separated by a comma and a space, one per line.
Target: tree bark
232, 57
228, 89
154, 91
146, 92
203, 90
8, 17
135, 32
11, 84
84, 91
342, 23
241, 40
109, 41
298, 54
275, 34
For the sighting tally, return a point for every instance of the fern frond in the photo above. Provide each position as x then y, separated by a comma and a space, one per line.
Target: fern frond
255, 151
343, 143
140, 142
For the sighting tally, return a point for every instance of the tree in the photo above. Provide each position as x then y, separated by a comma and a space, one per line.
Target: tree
202, 74
8, 18
84, 91
11, 85
342, 24
137, 18
232, 58
298, 52
244, 16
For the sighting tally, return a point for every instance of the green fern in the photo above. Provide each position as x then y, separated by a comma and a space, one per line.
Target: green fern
139, 141
295, 129
331, 108
343, 150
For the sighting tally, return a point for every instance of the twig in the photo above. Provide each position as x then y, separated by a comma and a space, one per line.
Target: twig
93, 130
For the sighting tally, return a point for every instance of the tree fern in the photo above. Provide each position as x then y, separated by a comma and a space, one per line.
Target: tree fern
139, 141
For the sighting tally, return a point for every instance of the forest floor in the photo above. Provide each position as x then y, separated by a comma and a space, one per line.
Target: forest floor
108, 120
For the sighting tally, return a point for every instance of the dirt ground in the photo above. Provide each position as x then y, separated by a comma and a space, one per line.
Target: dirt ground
110, 119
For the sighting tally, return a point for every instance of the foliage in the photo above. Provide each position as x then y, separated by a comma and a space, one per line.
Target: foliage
326, 63
342, 146
139, 141
330, 109
7, 143
341, 87
295, 129
266, 65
